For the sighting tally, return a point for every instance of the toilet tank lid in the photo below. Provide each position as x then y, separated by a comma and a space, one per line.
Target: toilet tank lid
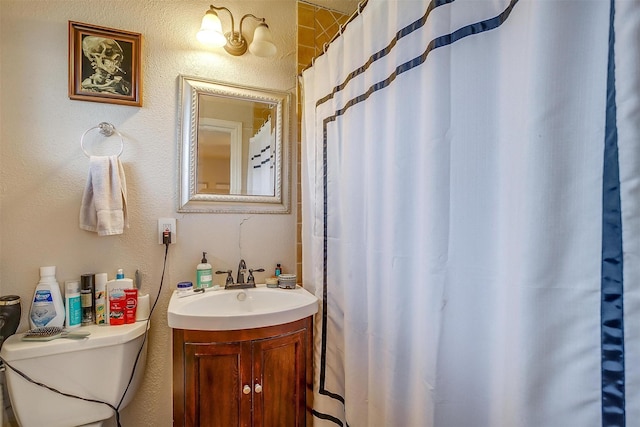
101, 336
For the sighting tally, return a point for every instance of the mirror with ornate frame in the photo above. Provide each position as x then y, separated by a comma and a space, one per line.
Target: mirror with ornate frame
234, 148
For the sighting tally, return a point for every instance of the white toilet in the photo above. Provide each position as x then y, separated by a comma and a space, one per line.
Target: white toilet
97, 367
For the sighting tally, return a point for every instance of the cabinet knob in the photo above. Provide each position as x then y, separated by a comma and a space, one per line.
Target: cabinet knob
258, 388
246, 389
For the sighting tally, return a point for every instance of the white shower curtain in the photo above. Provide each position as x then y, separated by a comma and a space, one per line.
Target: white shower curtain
471, 215
260, 177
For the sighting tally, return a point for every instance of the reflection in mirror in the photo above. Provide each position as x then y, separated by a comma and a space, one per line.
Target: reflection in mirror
219, 155
233, 148
236, 156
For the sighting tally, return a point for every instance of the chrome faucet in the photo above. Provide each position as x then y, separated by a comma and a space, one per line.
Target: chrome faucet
242, 267
240, 283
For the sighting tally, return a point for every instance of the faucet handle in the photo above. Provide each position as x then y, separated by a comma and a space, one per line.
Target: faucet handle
251, 280
229, 276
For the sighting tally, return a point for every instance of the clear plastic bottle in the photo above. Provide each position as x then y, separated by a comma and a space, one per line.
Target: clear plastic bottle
47, 308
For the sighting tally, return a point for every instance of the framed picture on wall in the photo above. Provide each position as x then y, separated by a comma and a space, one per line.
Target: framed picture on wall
104, 65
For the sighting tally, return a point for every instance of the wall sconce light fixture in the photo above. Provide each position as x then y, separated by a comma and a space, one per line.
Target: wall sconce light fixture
233, 41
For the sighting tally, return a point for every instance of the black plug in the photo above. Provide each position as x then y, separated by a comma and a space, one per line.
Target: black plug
166, 237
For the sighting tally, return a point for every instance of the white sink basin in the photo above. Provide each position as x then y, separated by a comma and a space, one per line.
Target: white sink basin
228, 309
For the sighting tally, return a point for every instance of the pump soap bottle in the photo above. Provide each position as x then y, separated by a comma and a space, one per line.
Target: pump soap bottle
47, 308
204, 275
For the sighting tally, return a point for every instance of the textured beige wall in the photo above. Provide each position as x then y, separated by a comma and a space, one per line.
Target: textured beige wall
43, 170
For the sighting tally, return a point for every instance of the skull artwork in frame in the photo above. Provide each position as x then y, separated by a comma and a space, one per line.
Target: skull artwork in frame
104, 65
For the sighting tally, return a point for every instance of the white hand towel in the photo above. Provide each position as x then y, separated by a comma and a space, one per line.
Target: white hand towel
104, 202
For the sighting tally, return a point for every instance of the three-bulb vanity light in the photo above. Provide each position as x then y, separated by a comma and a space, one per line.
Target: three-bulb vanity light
233, 41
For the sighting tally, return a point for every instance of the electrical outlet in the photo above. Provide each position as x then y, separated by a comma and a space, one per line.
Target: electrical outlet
167, 224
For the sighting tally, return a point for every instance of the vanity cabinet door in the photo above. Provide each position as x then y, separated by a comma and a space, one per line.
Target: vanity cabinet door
214, 384
279, 368
253, 377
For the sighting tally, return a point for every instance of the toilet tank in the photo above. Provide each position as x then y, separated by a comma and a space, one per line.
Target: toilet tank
97, 368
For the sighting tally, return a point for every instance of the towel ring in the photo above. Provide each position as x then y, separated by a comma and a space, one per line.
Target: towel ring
107, 129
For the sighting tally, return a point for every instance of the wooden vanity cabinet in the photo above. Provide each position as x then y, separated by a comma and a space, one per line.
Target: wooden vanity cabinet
251, 378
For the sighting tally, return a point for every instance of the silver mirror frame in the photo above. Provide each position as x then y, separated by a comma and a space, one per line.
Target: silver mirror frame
189, 200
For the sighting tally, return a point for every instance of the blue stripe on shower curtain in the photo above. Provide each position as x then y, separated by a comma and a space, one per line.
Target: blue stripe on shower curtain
441, 41
416, 25
612, 327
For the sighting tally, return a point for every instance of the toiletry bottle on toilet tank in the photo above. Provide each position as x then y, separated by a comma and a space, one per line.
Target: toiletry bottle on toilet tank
88, 298
47, 308
204, 275
116, 298
100, 282
73, 306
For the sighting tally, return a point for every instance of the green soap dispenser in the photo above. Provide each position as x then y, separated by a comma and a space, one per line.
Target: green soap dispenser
204, 275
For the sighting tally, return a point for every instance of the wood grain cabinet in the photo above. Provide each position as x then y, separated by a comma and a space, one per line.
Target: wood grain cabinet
254, 377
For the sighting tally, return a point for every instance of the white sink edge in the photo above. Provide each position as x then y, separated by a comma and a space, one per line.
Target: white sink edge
242, 320
229, 323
